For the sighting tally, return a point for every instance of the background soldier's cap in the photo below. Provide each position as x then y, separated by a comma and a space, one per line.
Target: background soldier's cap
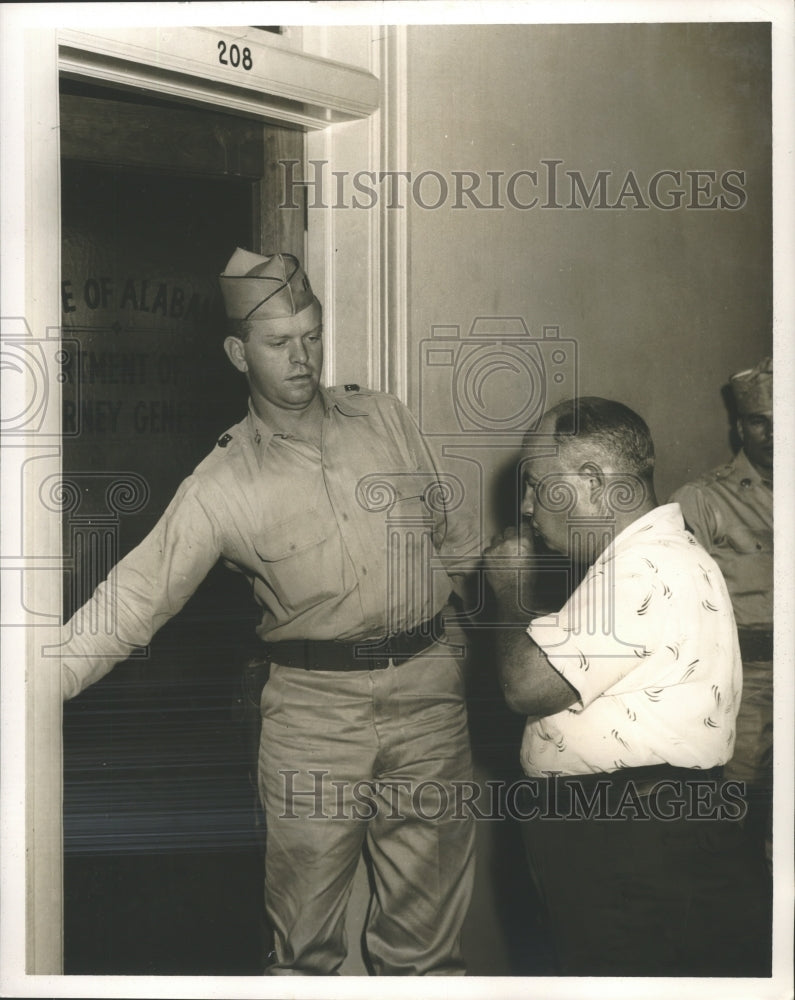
753, 388
265, 288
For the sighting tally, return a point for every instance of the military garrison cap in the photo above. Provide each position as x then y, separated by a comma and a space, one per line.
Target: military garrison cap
753, 388
270, 289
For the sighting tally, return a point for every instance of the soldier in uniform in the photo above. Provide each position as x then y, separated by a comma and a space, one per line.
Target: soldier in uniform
364, 706
730, 511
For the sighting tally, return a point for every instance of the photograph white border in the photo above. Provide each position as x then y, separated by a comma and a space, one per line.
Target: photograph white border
15, 20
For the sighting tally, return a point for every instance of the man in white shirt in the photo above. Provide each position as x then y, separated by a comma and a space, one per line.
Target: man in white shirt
631, 692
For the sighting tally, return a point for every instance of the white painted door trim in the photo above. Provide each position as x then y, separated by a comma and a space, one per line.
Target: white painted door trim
31, 292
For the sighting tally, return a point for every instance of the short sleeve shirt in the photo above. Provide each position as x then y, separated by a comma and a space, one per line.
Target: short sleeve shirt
649, 643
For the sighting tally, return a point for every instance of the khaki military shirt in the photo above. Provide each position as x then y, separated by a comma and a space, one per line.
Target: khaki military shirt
730, 511
348, 541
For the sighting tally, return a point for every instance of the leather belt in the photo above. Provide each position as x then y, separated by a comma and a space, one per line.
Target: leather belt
756, 644
374, 654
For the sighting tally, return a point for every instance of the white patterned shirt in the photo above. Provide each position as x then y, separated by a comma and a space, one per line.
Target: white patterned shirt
649, 643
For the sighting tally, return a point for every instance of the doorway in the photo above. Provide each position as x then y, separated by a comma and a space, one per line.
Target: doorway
162, 833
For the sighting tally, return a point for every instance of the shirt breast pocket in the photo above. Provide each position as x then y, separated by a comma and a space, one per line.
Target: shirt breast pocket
298, 563
745, 541
397, 496
290, 538
410, 503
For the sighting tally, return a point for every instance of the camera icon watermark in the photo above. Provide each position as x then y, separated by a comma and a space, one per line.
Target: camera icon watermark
496, 381
31, 366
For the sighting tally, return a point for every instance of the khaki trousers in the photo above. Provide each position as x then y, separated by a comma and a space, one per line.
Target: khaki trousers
367, 760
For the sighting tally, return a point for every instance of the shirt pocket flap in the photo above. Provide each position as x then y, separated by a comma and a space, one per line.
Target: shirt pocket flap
746, 541
290, 537
397, 493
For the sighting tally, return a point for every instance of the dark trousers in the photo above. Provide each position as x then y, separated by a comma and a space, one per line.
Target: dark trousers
639, 885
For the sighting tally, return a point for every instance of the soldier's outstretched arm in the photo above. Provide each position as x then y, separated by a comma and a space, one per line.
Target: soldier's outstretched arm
146, 588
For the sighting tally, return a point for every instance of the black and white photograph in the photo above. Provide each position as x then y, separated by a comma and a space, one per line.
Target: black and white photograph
388, 554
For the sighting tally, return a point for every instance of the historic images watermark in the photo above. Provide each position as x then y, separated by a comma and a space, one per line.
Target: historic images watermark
314, 795
549, 185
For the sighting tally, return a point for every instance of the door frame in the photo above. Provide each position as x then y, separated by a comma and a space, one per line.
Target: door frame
346, 87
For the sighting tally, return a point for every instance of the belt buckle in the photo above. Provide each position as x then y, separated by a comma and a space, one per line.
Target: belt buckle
369, 663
